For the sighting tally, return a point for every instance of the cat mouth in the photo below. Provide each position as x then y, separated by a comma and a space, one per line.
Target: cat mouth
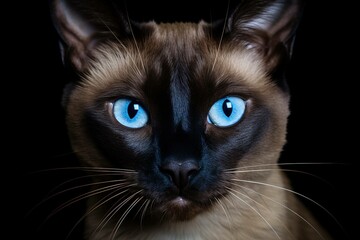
180, 202
181, 208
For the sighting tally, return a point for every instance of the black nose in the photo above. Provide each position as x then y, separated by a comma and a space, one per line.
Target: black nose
180, 172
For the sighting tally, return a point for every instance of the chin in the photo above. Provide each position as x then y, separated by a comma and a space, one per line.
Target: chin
180, 209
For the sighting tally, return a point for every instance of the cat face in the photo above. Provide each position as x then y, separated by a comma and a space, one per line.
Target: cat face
176, 108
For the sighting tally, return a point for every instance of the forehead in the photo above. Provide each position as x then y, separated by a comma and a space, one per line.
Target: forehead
177, 54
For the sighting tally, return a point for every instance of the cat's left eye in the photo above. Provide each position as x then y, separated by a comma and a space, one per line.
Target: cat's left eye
226, 111
130, 113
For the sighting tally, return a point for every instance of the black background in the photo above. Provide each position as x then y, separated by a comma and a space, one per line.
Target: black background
321, 126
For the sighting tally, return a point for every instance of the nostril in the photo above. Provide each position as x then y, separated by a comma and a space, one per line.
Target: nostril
187, 169
180, 172
172, 170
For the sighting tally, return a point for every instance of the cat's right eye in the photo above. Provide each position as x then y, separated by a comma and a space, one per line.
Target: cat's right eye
130, 113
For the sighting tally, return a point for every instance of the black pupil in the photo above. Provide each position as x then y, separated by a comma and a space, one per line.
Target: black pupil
133, 108
227, 107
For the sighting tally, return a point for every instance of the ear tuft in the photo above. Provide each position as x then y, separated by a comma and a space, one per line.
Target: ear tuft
82, 25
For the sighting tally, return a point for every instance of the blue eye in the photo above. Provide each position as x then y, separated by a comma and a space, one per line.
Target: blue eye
226, 111
130, 113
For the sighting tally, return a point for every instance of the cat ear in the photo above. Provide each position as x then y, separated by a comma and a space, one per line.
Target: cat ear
267, 26
82, 25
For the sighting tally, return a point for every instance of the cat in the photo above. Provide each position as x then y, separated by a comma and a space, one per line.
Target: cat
180, 125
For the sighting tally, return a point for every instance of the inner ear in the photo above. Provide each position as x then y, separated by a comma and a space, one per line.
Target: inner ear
267, 27
83, 25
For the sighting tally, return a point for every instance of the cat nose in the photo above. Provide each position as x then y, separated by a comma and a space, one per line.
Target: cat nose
180, 172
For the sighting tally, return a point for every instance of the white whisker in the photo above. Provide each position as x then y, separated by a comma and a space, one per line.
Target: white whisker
116, 207
282, 205
125, 48
250, 198
277, 169
282, 164
152, 205
124, 215
134, 39
88, 195
55, 194
163, 215
221, 37
88, 184
225, 211
98, 204
143, 212
294, 192
231, 191
90, 169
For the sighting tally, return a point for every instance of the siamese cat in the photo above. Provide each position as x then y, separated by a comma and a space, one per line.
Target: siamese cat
180, 125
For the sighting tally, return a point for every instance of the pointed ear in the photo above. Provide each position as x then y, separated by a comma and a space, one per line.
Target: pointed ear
267, 26
82, 25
